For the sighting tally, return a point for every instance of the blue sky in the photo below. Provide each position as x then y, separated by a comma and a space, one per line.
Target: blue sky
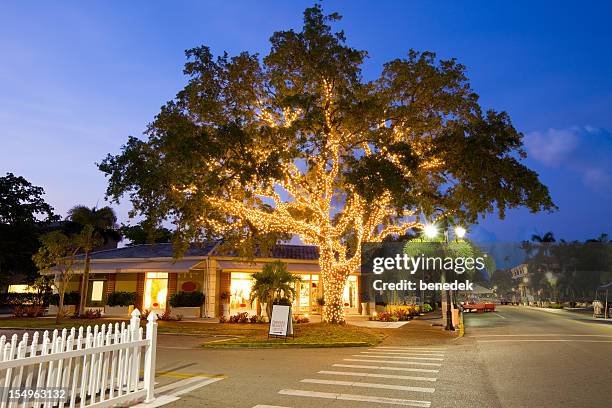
76, 78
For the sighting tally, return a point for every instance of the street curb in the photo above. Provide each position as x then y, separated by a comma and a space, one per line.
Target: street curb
286, 345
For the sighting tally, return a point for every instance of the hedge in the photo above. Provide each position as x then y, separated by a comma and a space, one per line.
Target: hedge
70, 298
187, 299
121, 299
18, 299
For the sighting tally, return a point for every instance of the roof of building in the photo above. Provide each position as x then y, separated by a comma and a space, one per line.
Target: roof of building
165, 250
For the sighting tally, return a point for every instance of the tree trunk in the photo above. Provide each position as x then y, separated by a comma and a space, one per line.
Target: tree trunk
60, 304
85, 285
333, 289
269, 305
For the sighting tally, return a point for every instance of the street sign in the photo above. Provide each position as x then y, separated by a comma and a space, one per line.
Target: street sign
281, 322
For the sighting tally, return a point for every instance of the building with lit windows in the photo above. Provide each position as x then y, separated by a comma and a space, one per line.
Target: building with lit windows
154, 275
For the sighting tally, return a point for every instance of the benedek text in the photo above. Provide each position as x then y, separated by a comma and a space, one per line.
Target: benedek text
407, 285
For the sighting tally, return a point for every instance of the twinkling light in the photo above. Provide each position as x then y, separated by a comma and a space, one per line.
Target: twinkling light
311, 200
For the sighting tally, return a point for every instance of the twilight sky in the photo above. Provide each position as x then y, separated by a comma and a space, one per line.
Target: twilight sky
77, 78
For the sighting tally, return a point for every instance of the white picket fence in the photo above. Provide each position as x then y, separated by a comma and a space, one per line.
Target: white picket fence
84, 367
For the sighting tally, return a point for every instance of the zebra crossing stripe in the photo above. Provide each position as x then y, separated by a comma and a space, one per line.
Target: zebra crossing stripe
403, 358
384, 353
363, 360
352, 397
368, 385
414, 370
373, 375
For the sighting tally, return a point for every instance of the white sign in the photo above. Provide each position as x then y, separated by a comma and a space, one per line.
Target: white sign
280, 323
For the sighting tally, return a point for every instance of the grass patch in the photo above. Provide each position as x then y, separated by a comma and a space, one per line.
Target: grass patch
49, 322
244, 335
306, 335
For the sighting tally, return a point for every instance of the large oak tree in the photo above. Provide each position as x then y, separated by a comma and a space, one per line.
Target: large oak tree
298, 142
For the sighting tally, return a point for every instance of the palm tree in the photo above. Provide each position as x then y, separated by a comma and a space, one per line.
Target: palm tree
103, 227
273, 283
546, 238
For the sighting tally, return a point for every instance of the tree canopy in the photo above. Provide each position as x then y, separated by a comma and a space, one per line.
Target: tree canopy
23, 213
298, 142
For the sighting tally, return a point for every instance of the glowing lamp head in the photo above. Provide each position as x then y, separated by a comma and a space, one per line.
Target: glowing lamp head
430, 231
460, 232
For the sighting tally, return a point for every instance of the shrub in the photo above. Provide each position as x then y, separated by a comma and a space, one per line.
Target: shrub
301, 319
166, 316
257, 319
70, 298
187, 299
555, 306
90, 314
14, 299
427, 308
242, 317
28, 310
121, 299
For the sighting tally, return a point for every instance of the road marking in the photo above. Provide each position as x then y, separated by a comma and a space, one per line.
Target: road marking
180, 374
157, 402
268, 406
394, 362
163, 395
196, 386
403, 358
397, 377
176, 385
541, 335
352, 397
415, 370
413, 348
544, 341
498, 315
403, 354
368, 385
407, 351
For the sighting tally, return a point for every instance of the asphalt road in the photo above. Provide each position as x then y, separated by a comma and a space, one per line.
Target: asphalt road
516, 357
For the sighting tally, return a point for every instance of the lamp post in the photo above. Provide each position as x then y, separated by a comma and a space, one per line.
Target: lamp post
431, 232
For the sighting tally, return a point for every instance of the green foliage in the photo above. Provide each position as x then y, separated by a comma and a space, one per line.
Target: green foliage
98, 226
14, 299
427, 308
430, 144
23, 216
28, 310
187, 299
145, 233
70, 298
121, 299
555, 306
273, 285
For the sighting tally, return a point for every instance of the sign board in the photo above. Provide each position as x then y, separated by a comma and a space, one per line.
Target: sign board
280, 322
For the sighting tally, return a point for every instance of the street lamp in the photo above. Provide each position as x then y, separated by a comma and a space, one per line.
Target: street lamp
430, 231
460, 232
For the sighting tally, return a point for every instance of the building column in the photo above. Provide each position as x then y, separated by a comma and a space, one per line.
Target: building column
172, 284
111, 279
140, 284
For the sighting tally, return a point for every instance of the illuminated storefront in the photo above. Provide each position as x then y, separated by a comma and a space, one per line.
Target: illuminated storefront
156, 291
307, 290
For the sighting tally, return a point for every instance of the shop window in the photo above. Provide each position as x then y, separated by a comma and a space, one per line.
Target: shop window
97, 291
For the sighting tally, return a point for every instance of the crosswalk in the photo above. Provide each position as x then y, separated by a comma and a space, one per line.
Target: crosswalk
389, 375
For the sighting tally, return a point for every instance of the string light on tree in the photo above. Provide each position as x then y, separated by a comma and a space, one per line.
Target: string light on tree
298, 144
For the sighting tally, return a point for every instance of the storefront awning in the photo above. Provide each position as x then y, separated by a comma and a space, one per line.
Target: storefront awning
258, 266
146, 266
